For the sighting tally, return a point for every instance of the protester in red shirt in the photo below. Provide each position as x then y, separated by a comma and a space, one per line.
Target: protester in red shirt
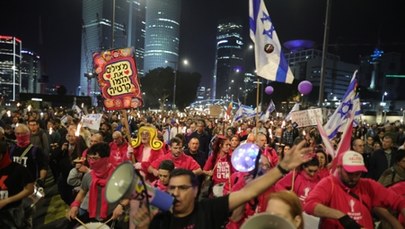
345, 200
178, 157
218, 164
118, 149
147, 148
301, 181
399, 188
267, 151
164, 170
323, 163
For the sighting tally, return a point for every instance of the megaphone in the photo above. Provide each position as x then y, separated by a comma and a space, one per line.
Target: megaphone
244, 157
266, 221
125, 183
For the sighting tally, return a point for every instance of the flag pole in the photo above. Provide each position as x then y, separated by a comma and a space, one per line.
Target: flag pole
324, 52
257, 104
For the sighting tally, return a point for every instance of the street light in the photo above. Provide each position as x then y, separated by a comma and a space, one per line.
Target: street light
382, 99
185, 63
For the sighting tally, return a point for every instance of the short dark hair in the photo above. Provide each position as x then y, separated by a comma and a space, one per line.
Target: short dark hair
166, 165
313, 162
102, 148
185, 172
32, 120
176, 140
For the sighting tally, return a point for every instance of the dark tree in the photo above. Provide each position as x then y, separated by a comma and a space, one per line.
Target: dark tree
158, 88
61, 90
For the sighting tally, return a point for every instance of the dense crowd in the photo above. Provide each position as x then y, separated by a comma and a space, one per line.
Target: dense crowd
189, 155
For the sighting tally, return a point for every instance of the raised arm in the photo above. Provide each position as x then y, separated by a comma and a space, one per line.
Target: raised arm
296, 156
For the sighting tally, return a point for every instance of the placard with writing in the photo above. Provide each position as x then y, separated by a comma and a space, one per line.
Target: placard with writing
118, 78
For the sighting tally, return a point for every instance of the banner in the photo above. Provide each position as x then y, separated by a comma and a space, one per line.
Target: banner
92, 121
306, 117
118, 78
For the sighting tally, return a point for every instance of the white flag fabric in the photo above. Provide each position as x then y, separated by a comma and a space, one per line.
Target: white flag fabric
266, 115
270, 61
244, 112
296, 107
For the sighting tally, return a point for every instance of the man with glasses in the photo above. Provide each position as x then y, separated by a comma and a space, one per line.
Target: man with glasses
178, 157
213, 213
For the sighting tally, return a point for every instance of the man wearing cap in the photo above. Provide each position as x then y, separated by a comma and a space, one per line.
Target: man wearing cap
345, 200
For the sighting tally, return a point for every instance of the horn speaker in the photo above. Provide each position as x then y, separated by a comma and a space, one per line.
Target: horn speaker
126, 183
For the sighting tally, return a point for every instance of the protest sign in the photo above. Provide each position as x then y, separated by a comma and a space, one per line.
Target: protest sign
306, 117
118, 78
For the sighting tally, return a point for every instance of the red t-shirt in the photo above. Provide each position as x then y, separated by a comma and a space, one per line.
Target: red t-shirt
223, 168
303, 183
118, 153
331, 192
399, 188
183, 161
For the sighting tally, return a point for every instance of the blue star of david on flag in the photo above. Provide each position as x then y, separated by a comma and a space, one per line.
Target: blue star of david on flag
346, 107
268, 32
350, 105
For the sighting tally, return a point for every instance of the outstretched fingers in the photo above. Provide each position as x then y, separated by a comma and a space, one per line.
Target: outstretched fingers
297, 155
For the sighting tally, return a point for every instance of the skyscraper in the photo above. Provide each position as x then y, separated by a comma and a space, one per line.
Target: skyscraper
30, 72
162, 34
10, 72
229, 76
129, 30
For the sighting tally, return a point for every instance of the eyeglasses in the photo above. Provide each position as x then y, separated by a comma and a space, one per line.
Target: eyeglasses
181, 188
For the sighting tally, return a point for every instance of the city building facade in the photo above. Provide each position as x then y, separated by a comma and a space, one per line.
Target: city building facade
162, 33
305, 64
10, 67
31, 80
229, 72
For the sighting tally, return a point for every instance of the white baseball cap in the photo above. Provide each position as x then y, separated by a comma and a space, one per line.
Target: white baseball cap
352, 162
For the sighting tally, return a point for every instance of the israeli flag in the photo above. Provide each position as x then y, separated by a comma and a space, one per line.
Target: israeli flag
270, 61
296, 107
350, 103
269, 110
244, 112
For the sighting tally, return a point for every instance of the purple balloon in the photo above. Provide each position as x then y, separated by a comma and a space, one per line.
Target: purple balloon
269, 90
305, 87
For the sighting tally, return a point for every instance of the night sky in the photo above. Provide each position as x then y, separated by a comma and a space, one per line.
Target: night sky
357, 27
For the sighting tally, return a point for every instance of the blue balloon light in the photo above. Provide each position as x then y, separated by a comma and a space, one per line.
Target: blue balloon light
244, 157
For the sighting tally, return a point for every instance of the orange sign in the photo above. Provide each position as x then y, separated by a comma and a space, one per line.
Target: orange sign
118, 78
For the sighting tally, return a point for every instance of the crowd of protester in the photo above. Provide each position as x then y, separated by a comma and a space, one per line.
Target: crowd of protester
189, 155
